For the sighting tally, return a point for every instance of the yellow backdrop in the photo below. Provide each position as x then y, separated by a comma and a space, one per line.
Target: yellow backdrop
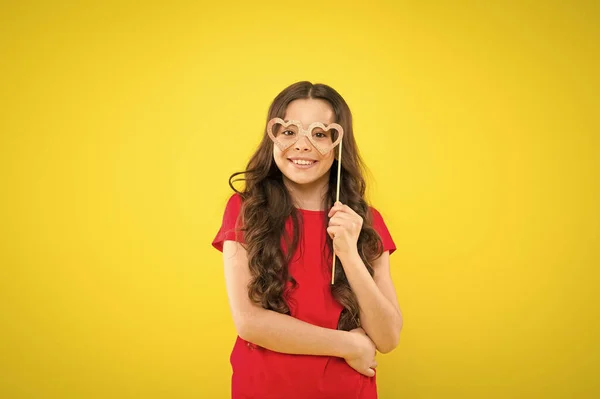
476, 121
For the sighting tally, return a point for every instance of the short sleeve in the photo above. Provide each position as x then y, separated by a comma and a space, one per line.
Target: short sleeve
381, 228
230, 223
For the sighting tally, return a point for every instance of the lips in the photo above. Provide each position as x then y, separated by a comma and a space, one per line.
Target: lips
302, 164
301, 159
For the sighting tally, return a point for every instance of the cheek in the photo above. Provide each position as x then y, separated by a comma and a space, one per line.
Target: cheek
278, 156
276, 152
327, 160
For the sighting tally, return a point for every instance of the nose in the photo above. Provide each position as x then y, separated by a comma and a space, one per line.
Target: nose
302, 144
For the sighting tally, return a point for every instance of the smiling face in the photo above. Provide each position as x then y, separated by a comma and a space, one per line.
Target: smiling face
302, 163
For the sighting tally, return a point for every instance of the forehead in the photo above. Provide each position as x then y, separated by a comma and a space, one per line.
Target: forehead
309, 110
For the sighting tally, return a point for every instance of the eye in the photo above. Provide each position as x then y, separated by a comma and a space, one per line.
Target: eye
287, 133
320, 135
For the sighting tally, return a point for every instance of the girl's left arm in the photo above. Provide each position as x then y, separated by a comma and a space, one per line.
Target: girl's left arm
380, 313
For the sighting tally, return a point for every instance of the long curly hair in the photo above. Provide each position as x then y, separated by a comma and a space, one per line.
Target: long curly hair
264, 190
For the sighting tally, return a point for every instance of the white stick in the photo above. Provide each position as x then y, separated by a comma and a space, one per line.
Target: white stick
337, 198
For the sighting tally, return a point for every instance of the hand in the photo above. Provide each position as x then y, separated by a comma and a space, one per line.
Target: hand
344, 228
362, 356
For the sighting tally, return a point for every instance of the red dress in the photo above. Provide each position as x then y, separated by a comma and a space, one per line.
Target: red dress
259, 373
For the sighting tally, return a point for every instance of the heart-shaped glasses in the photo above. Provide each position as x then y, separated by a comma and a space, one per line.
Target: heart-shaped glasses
286, 134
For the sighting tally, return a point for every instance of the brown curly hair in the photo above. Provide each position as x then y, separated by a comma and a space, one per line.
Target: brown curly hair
264, 190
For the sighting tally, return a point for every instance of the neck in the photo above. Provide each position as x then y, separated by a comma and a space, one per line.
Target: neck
308, 196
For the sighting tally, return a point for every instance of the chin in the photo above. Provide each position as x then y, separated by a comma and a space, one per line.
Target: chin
300, 179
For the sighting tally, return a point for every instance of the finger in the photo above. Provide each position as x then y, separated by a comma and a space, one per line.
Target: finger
344, 215
346, 209
343, 209
350, 226
333, 230
374, 365
340, 221
352, 221
333, 211
351, 211
349, 221
367, 372
335, 221
338, 206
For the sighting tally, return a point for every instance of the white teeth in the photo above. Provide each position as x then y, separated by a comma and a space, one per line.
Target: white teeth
302, 162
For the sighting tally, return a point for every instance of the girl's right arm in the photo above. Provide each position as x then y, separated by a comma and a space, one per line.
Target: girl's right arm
283, 333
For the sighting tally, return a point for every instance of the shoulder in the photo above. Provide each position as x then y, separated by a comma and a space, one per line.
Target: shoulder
375, 215
233, 210
231, 225
234, 204
235, 199
381, 228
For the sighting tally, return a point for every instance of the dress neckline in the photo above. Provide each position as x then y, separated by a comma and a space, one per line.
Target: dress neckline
310, 212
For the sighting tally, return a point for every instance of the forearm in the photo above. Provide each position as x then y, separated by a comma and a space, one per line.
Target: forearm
379, 317
283, 333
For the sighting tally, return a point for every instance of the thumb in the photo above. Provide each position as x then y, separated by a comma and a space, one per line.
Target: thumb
370, 372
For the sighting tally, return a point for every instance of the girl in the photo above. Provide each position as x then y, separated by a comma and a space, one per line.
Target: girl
299, 336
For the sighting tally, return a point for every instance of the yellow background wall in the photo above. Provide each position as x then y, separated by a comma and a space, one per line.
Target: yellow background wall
478, 121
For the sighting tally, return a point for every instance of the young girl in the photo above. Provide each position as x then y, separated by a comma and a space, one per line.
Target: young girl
299, 335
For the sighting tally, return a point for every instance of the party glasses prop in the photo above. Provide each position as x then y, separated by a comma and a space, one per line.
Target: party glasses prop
323, 137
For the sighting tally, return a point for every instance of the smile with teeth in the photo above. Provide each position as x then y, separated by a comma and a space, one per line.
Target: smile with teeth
302, 164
